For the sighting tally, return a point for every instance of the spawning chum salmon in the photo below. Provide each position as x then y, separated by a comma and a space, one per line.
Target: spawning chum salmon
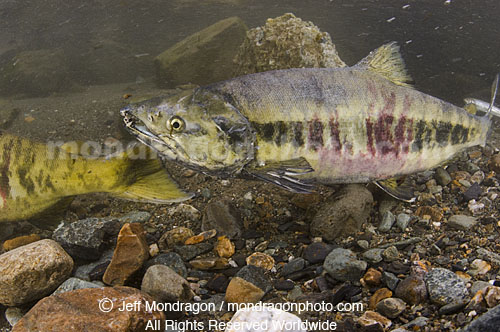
350, 125
34, 177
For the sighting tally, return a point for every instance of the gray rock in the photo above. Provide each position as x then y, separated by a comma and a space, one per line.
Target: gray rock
256, 276
391, 307
172, 260
295, 293
387, 221
444, 286
82, 272
390, 280
488, 255
452, 307
84, 238
343, 265
401, 244
188, 252
363, 244
163, 284
390, 254
373, 256
14, 314
489, 321
442, 176
32, 271
343, 214
477, 286
294, 265
74, 283
204, 57
462, 222
135, 216
222, 216
402, 221
417, 322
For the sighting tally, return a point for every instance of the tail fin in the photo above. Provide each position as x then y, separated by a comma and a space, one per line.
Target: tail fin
494, 90
150, 182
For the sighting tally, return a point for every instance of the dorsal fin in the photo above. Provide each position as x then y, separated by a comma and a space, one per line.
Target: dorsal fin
387, 61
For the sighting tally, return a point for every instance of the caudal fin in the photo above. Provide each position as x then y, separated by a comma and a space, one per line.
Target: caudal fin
150, 182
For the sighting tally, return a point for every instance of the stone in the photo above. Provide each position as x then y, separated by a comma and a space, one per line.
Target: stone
210, 263
476, 208
479, 267
164, 285
218, 283
494, 163
20, 241
390, 254
342, 264
489, 321
130, 253
473, 192
223, 216
172, 260
379, 295
372, 277
373, 256
402, 221
296, 264
224, 247
477, 286
442, 176
84, 238
260, 259
416, 324
135, 216
391, 307
84, 271
370, 319
185, 211
174, 237
189, 252
74, 283
412, 290
387, 221
452, 308
284, 285
32, 271
204, 57
256, 276
492, 296
343, 214
390, 280
489, 255
462, 222
435, 213
272, 318
242, 291
90, 309
286, 42
316, 252
294, 294
444, 286
14, 315
202, 237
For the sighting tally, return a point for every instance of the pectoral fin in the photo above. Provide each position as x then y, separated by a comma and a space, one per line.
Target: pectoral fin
286, 174
402, 191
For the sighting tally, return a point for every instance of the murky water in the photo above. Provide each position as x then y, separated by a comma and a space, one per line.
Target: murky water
451, 47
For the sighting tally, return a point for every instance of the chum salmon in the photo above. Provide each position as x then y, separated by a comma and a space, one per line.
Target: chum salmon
332, 125
35, 177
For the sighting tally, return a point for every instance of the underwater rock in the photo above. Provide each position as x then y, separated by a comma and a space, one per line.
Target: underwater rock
210, 263
36, 73
412, 290
32, 271
296, 264
248, 286
224, 247
391, 307
462, 222
164, 285
379, 295
372, 321
343, 214
202, 58
262, 260
316, 252
224, 217
173, 237
444, 286
489, 321
79, 310
286, 42
342, 264
73, 284
130, 253
170, 259
20, 241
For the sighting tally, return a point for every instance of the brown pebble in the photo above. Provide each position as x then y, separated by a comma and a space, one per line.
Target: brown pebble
262, 260
241, 291
371, 319
495, 163
379, 295
20, 241
201, 237
173, 237
435, 213
372, 277
224, 247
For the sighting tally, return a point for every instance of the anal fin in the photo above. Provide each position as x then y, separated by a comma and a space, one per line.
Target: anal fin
286, 174
403, 191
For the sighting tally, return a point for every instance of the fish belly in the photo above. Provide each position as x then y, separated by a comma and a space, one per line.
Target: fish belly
351, 125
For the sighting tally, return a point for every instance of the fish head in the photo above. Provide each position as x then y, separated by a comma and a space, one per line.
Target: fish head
199, 130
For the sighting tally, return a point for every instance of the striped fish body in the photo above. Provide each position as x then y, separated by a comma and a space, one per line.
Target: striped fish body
34, 177
350, 124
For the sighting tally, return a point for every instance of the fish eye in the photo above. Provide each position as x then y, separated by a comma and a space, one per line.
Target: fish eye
176, 123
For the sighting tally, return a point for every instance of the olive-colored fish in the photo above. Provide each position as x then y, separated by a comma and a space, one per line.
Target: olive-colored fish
339, 125
34, 177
